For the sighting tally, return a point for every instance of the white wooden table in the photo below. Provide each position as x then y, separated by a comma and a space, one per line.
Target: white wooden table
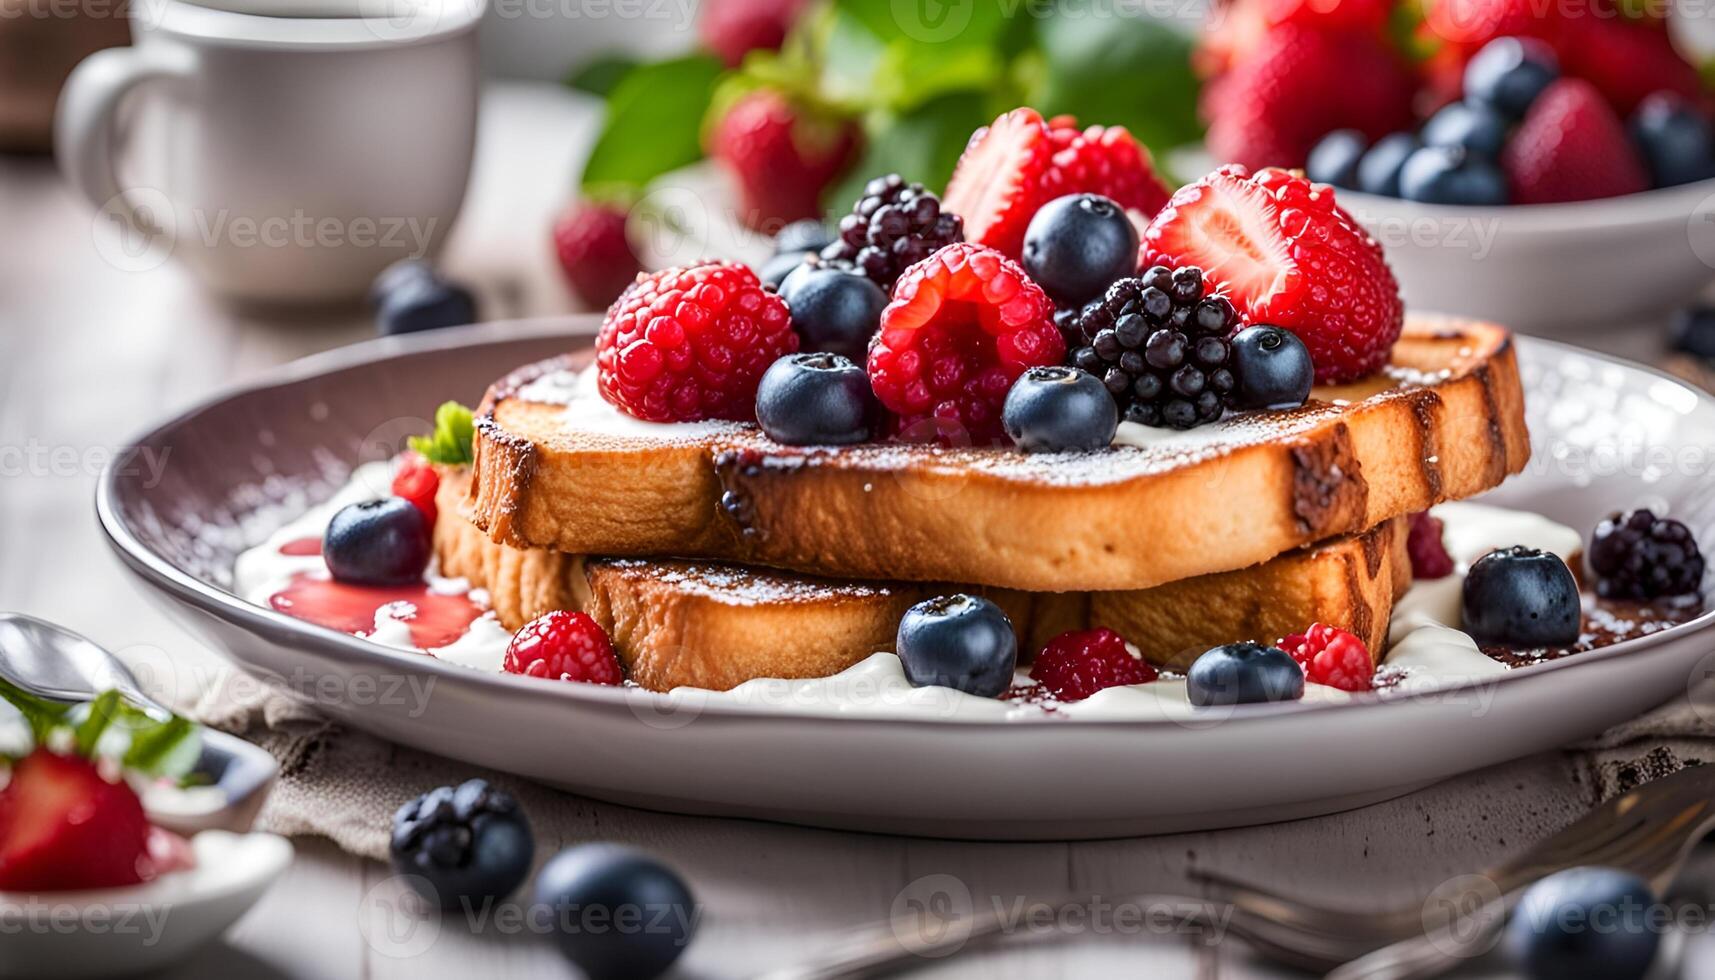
90, 354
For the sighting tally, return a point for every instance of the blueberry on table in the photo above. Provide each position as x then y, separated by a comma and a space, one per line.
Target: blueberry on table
1244, 673
834, 308
1674, 139
1334, 160
618, 914
1451, 175
1585, 924
1272, 369
1509, 73
815, 400
418, 304
1521, 598
377, 542
459, 846
1472, 126
1077, 245
1378, 171
808, 235
959, 641
1060, 409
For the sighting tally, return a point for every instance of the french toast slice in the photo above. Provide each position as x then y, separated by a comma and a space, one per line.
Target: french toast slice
557, 468
678, 623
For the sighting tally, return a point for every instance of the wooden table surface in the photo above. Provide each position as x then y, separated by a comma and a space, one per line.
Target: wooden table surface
90, 353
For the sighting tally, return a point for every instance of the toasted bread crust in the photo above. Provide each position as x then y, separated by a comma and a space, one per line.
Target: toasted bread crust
1446, 423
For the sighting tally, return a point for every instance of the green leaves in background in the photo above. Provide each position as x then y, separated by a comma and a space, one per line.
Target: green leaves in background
654, 124
453, 441
921, 144
602, 74
1120, 71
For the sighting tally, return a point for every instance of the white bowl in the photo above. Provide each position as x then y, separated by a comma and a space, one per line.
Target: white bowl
1550, 268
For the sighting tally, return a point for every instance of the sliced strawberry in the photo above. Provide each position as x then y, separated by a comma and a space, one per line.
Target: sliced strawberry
63, 828
1286, 254
994, 186
1571, 147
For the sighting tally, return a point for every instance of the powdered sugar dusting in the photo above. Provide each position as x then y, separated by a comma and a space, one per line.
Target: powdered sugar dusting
735, 586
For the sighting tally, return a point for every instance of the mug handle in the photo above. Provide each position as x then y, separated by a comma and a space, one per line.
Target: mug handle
85, 119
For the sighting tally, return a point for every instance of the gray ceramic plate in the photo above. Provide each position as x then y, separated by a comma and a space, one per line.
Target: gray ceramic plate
1608, 435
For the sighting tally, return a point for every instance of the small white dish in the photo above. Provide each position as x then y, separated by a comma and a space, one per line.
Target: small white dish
126, 931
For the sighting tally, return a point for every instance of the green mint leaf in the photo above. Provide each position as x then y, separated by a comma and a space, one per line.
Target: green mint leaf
600, 75
938, 26
165, 749
451, 444
40, 715
100, 714
654, 120
1120, 71
922, 144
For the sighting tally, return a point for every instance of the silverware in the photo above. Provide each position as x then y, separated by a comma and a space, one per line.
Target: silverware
56, 664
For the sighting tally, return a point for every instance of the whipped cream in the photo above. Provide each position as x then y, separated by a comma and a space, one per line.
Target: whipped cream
585, 410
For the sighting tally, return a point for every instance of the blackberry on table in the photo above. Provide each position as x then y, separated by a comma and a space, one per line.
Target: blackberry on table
1642, 556
1161, 347
893, 226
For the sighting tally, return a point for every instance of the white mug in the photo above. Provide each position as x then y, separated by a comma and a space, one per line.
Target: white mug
282, 159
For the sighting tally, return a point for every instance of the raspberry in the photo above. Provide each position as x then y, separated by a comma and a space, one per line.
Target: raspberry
996, 186
734, 28
1077, 664
1284, 252
594, 253
963, 325
1331, 657
1642, 556
782, 155
895, 226
691, 343
1429, 557
566, 646
417, 482
1571, 147
1101, 160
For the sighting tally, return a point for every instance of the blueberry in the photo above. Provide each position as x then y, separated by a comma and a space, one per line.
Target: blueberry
834, 309
462, 845
1451, 175
423, 302
1078, 245
959, 641
1334, 160
808, 235
397, 276
1060, 409
1693, 331
377, 542
1272, 368
1244, 673
815, 400
1378, 171
783, 264
618, 914
1585, 924
1478, 129
1521, 598
1509, 73
1675, 140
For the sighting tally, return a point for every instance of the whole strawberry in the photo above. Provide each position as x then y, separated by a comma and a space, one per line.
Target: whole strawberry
734, 28
1240, 26
1627, 59
1285, 254
1296, 87
1571, 147
594, 253
782, 156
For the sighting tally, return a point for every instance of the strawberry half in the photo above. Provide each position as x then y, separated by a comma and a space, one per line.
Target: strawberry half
995, 185
64, 828
1571, 147
1286, 254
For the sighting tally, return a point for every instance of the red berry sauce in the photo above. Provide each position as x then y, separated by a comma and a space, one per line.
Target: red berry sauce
440, 618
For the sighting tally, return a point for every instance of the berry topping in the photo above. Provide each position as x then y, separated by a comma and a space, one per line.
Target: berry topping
1521, 598
1675, 140
410, 297
417, 482
734, 28
1284, 253
595, 256
1509, 73
1586, 922
377, 542
1429, 557
1331, 657
564, 646
894, 225
815, 400
1642, 556
691, 343
1571, 147
996, 185
1244, 673
1334, 160
1470, 126
605, 883
1077, 245
959, 641
1271, 369
1452, 175
462, 845
1104, 160
1160, 347
63, 827
1060, 409
1378, 171
963, 325
834, 309
782, 155
1077, 664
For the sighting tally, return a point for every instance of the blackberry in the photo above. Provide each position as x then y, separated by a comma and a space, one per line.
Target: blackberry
1161, 347
1642, 556
893, 226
